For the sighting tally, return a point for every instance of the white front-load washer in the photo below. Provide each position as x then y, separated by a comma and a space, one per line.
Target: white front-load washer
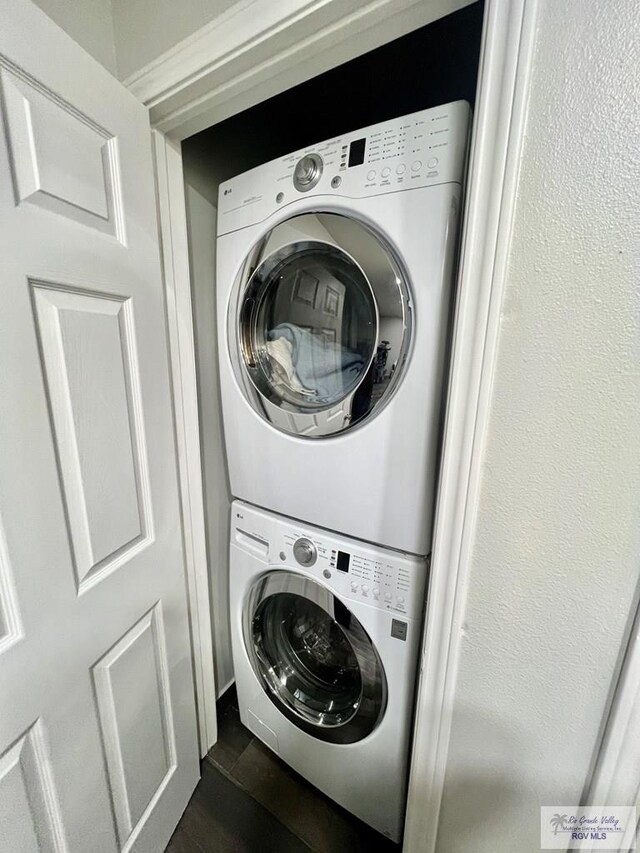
334, 277
326, 636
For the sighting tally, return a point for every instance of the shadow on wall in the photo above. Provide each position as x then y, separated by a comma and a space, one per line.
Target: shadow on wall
201, 218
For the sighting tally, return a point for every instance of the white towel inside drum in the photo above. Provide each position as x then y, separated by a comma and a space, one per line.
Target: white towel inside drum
280, 351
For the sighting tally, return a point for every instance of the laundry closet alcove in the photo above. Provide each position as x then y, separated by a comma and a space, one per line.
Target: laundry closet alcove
214, 119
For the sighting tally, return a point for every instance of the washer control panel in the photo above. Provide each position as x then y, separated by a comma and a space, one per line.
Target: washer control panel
421, 149
380, 577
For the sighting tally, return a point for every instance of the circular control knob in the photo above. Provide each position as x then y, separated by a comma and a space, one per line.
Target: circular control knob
354, 586
365, 589
400, 599
307, 172
387, 596
376, 593
305, 552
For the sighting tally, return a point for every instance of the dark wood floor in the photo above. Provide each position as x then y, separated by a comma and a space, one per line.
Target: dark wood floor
248, 801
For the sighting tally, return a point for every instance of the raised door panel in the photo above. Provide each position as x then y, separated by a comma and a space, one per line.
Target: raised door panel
87, 343
30, 820
132, 690
61, 160
10, 626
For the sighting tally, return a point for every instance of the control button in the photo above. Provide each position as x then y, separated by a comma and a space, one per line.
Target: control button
327, 574
432, 163
305, 552
335, 182
400, 599
365, 589
385, 172
401, 169
371, 175
416, 166
283, 556
279, 197
354, 586
307, 172
387, 596
376, 593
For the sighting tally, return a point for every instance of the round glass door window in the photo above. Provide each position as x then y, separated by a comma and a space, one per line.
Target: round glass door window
314, 658
319, 324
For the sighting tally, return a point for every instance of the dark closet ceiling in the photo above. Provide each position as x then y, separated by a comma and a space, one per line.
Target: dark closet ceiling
430, 66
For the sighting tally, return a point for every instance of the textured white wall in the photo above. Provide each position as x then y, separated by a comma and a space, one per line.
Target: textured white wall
146, 28
88, 22
554, 571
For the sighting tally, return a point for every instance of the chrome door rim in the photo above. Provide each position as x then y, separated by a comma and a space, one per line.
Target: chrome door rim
377, 263
372, 701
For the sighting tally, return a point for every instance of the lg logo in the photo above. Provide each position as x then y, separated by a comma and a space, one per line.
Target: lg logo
227, 191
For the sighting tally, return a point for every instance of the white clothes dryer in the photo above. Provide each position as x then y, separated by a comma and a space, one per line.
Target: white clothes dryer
326, 637
334, 276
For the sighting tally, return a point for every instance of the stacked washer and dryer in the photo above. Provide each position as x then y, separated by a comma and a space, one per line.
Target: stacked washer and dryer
335, 268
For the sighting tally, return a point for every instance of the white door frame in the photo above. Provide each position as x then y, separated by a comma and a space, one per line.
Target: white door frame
499, 126
175, 261
195, 85
257, 49
615, 777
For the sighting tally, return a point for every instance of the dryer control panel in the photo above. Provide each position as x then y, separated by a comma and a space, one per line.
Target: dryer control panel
380, 577
421, 149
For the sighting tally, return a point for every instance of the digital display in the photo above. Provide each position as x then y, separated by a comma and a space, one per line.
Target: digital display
343, 561
356, 152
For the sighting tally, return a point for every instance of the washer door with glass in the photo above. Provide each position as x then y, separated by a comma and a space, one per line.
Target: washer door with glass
313, 658
319, 324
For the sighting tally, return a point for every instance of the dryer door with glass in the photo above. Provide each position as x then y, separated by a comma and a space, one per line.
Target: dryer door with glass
319, 324
313, 658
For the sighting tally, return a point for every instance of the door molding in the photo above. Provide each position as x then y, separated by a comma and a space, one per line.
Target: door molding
175, 261
615, 778
499, 126
257, 49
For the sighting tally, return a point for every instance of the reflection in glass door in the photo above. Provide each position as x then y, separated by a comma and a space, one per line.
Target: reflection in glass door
313, 658
323, 325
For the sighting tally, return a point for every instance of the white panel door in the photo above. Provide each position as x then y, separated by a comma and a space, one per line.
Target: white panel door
98, 743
